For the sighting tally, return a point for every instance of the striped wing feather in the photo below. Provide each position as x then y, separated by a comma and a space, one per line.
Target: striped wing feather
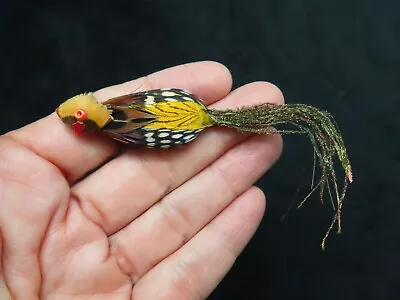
156, 118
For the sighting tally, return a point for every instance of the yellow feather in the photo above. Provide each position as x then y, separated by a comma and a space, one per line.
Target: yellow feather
95, 111
179, 115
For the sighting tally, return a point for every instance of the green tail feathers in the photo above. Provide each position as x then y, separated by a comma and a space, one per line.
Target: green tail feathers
318, 125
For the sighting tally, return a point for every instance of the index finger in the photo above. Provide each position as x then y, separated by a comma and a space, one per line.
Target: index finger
76, 156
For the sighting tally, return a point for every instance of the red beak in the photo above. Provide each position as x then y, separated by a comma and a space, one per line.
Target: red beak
78, 127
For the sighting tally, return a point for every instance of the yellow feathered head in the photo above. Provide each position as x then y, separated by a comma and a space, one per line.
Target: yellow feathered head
84, 113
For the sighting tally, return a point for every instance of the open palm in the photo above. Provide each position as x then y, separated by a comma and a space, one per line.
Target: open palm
81, 220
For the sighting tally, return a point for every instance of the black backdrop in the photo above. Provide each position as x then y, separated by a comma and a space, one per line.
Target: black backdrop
342, 55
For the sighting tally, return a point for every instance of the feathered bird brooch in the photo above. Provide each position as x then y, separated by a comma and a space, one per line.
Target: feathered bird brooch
165, 118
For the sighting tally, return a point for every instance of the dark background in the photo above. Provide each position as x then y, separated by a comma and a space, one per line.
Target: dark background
342, 55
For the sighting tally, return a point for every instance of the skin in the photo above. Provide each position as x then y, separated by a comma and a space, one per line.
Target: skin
146, 224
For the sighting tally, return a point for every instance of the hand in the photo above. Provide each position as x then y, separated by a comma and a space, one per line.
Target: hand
145, 224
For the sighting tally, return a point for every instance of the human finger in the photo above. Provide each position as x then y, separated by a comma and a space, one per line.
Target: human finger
195, 270
76, 156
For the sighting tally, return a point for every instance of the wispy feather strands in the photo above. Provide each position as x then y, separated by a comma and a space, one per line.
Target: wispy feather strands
318, 125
